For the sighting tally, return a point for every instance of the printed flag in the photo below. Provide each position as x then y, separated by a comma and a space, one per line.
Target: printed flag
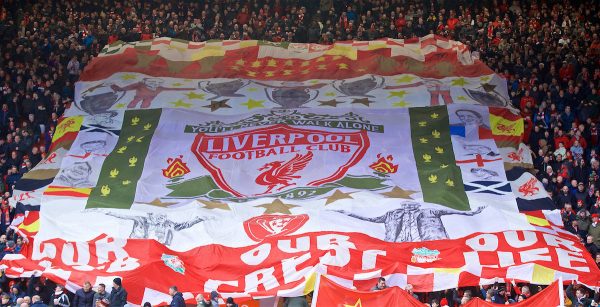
245, 167
329, 294
547, 297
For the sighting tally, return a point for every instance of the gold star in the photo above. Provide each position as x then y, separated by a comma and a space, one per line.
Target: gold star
256, 64
120, 106
444, 165
488, 87
434, 115
401, 104
289, 63
240, 62
217, 104
277, 206
450, 182
180, 103
398, 192
423, 140
272, 63
126, 77
343, 66
404, 79
321, 67
253, 104
144, 60
363, 101
252, 89
330, 94
463, 98
439, 150
357, 304
422, 124
321, 59
306, 71
287, 72
251, 73
399, 94
337, 195
331, 103
157, 202
304, 63
459, 82
269, 74
214, 205
192, 95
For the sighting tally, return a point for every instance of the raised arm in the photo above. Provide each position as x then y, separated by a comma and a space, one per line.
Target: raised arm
379, 219
188, 224
456, 212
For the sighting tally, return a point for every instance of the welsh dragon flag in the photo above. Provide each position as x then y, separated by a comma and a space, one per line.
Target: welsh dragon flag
248, 167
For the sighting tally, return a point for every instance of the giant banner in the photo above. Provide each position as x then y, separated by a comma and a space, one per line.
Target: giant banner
171, 168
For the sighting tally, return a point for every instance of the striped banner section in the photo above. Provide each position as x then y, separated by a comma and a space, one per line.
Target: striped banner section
123, 167
440, 177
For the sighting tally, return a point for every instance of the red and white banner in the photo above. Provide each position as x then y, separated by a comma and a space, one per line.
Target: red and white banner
329, 294
548, 297
285, 266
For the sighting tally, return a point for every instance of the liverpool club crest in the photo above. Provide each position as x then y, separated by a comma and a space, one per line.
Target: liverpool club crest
275, 159
174, 263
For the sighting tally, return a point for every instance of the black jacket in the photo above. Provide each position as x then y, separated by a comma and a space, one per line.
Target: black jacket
83, 299
117, 297
177, 300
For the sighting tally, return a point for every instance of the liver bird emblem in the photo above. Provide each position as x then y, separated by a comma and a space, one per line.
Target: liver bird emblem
280, 173
529, 188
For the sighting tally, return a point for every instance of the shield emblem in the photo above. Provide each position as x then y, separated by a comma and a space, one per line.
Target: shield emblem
275, 159
261, 227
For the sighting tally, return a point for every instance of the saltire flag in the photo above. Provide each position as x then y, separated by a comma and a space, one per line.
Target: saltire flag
244, 167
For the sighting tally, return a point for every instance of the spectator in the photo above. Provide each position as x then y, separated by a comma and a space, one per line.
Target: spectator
100, 295
60, 298
409, 289
230, 303
37, 302
591, 247
84, 297
210, 301
118, 295
299, 301
15, 294
380, 284
177, 300
594, 230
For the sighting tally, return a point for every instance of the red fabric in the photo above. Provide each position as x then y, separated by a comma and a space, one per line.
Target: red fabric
547, 297
527, 102
562, 139
330, 294
452, 23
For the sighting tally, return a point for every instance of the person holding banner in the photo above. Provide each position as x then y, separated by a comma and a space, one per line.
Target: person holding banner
578, 295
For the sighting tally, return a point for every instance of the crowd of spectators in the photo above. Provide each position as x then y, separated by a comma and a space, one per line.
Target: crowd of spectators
548, 51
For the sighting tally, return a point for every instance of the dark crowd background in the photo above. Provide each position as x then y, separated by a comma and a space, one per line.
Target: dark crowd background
548, 51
